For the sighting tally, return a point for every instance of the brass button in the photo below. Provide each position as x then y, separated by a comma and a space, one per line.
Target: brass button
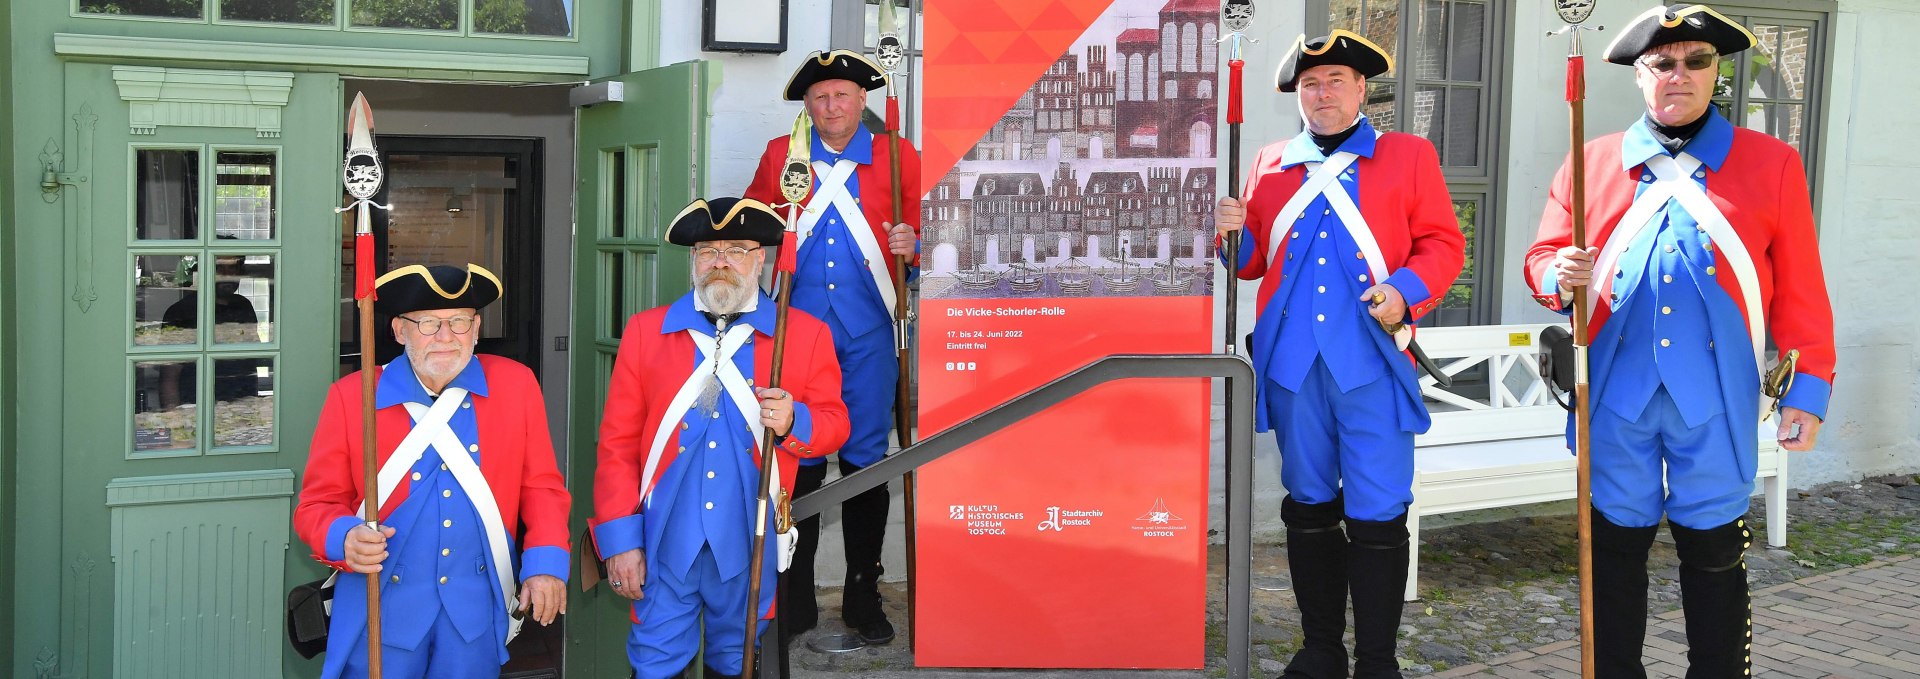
443, 579
447, 523
446, 493
444, 552
709, 475
1666, 342
1709, 271
416, 476
709, 505
1666, 310
394, 580
1668, 278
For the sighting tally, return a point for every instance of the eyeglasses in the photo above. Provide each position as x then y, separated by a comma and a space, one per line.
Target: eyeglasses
460, 325
735, 255
1664, 65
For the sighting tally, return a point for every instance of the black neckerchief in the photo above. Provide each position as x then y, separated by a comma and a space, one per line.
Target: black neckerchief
1329, 142
1675, 137
720, 321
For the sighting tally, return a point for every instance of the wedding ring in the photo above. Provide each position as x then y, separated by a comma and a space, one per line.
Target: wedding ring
616, 583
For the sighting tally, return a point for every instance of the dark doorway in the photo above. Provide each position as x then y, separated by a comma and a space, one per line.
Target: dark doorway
457, 200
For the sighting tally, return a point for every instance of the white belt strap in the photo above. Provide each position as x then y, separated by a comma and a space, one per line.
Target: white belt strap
833, 191
1318, 181
1323, 182
1673, 181
716, 359
454, 454
425, 428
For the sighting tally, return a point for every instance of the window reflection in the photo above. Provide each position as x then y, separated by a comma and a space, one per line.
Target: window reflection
165, 412
165, 306
278, 11
243, 392
242, 299
243, 195
166, 203
523, 17
172, 9
436, 15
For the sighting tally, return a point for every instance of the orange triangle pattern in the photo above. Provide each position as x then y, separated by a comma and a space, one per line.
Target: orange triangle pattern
981, 55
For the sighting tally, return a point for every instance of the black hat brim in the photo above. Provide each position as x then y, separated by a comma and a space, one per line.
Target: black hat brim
1339, 48
1668, 25
422, 288
835, 65
726, 219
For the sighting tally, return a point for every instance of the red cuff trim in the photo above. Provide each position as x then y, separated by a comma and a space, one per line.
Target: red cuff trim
1551, 302
336, 565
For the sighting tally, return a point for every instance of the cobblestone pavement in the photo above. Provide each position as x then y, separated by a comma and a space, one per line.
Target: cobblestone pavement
1861, 622
1499, 598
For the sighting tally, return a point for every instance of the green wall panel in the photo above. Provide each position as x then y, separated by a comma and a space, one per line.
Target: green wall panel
197, 562
8, 394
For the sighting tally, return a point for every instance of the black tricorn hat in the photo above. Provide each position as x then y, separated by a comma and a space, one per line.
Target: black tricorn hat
726, 219
1668, 25
420, 288
1339, 48
835, 65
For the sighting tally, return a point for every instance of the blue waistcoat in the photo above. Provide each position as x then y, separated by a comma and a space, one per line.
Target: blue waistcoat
439, 558
1661, 325
831, 280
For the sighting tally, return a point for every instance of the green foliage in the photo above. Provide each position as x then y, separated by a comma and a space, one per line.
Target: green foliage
174, 9
435, 15
278, 11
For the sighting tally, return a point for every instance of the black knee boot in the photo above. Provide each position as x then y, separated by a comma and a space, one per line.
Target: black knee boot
1317, 557
799, 611
1619, 597
864, 519
1713, 590
1377, 574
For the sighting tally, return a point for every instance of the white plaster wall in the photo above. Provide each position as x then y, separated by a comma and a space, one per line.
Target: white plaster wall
1867, 217
747, 107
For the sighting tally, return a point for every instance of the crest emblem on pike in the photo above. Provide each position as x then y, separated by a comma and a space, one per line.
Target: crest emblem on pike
1573, 11
1236, 15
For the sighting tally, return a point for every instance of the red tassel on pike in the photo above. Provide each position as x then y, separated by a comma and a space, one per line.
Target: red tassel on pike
363, 276
785, 259
1233, 91
1576, 78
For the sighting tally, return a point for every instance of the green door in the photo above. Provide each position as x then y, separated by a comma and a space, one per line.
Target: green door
639, 164
197, 289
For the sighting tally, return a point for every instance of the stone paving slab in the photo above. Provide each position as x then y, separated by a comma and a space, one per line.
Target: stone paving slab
1867, 627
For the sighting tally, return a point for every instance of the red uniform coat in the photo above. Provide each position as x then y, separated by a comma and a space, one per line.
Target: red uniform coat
649, 371
1413, 223
876, 187
519, 464
1762, 190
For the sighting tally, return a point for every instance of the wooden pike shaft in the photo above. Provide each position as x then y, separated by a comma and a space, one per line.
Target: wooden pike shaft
783, 297
370, 457
1583, 421
903, 393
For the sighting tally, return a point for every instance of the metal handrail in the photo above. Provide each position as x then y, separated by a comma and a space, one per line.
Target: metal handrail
1238, 374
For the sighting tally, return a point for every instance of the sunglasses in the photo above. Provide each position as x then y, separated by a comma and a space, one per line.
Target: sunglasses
1663, 65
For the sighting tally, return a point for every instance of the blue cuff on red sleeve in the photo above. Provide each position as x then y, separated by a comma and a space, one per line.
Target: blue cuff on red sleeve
619, 535
337, 537
1808, 393
802, 423
1413, 289
547, 560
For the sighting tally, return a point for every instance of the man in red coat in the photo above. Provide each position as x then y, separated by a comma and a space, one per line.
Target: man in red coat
844, 276
1347, 229
1702, 244
466, 464
675, 492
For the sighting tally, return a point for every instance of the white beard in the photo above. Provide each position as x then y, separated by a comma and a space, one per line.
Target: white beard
725, 298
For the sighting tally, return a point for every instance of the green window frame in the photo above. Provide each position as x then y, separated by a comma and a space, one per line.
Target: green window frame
467, 20
157, 366
1779, 86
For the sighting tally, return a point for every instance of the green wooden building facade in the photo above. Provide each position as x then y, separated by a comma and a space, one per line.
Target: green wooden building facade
153, 437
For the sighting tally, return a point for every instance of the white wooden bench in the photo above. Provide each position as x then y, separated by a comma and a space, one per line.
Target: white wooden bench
1509, 448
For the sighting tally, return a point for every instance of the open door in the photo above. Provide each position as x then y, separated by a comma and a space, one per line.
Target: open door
639, 163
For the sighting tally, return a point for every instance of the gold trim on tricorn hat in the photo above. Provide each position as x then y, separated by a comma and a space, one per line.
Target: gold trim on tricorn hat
835, 65
738, 219
1339, 48
1668, 25
420, 288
